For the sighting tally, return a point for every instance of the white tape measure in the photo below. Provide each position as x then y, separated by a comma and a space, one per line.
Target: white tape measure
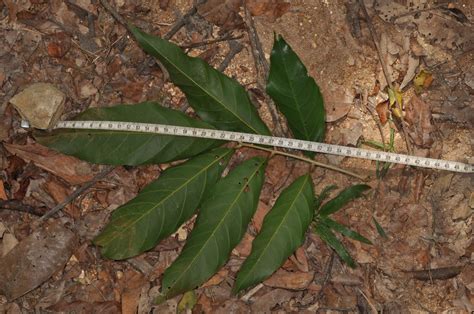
270, 141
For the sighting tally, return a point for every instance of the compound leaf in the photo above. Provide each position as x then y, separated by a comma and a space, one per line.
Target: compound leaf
342, 199
162, 206
129, 148
220, 226
283, 231
295, 93
216, 98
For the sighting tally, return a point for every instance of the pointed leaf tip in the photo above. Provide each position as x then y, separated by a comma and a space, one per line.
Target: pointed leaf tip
220, 226
283, 231
162, 206
216, 98
296, 93
342, 199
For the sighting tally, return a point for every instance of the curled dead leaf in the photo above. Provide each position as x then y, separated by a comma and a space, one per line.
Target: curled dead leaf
71, 169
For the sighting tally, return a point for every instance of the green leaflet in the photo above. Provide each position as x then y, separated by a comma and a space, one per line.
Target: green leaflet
282, 233
162, 206
334, 225
220, 226
342, 199
295, 93
129, 148
216, 98
328, 236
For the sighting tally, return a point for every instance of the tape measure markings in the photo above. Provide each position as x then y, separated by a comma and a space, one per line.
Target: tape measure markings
271, 141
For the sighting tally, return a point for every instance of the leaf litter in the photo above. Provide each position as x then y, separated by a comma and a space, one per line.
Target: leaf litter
404, 233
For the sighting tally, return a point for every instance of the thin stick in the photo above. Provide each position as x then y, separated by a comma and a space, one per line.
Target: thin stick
77, 192
211, 41
394, 18
182, 21
374, 116
373, 34
114, 13
262, 68
308, 160
235, 48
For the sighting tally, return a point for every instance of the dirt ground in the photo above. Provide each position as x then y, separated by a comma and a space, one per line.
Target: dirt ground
427, 215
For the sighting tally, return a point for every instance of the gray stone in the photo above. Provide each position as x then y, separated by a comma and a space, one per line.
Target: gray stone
41, 104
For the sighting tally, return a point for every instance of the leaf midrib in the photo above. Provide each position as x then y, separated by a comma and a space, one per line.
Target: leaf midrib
277, 229
211, 236
205, 91
167, 197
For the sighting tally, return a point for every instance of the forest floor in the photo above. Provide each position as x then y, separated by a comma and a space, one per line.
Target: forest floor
424, 263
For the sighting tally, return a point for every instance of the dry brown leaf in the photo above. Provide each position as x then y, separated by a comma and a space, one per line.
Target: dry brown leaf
262, 211
264, 303
382, 111
223, 13
3, 195
59, 193
290, 280
420, 128
300, 260
244, 247
106, 307
58, 45
216, 279
71, 169
133, 283
273, 9
204, 304
35, 259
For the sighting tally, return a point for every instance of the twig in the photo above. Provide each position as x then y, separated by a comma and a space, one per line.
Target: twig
77, 192
373, 34
394, 18
17, 205
114, 13
308, 160
327, 276
374, 115
182, 21
252, 291
211, 41
262, 69
235, 48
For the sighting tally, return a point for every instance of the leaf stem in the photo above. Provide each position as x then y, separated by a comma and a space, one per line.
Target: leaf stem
308, 160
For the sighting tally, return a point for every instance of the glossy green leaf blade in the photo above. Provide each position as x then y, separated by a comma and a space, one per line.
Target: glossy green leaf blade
216, 98
343, 198
129, 148
327, 236
220, 226
283, 231
162, 206
334, 225
295, 93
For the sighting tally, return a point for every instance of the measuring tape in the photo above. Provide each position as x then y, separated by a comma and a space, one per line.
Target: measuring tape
267, 140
